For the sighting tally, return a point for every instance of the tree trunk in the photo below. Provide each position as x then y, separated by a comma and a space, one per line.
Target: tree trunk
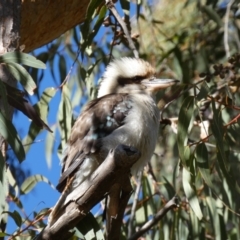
9, 42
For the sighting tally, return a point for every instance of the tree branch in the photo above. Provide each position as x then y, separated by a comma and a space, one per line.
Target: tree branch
134, 205
112, 172
112, 8
173, 203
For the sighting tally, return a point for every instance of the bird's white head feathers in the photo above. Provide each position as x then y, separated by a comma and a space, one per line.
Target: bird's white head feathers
124, 75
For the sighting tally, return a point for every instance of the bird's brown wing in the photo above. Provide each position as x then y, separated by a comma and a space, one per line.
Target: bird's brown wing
99, 118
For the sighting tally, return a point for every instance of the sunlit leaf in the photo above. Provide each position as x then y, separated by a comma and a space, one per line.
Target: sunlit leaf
42, 107
9, 132
23, 58
65, 115
12, 181
211, 203
21, 75
31, 182
184, 123
191, 194
49, 145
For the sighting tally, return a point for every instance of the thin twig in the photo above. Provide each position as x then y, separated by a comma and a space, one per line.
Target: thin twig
71, 68
134, 206
226, 45
114, 36
110, 5
173, 203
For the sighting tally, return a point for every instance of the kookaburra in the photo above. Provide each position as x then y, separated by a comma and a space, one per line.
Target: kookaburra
124, 112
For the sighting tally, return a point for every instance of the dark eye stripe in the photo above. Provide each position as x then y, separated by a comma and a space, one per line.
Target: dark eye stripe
136, 79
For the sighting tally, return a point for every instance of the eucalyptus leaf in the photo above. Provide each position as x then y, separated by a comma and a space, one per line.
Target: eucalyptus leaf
191, 194
21, 75
202, 163
8, 131
184, 123
31, 182
42, 107
90, 228
23, 58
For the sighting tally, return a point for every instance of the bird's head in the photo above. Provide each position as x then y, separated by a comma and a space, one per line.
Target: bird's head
131, 75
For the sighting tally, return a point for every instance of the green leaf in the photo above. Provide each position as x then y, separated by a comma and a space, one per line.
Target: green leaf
65, 115
190, 194
211, 203
42, 107
62, 67
126, 7
16, 217
92, 6
170, 189
184, 123
49, 145
3, 189
222, 145
21, 74
23, 58
212, 14
31, 182
202, 163
98, 24
3, 234
90, 228
3, 96
8, 131
12, 181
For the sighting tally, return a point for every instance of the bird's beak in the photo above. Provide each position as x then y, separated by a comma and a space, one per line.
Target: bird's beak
155, 84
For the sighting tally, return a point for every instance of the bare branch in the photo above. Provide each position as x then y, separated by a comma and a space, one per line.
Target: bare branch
134, 206
112, 8
114, 171
173, 203
226, 45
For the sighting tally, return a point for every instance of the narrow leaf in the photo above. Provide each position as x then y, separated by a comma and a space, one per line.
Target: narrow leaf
92, 6
184, 120
21, 74
190, 194
15, 99
62, 67
65, 115
23, 58
9, 133
222, 146
90, 228
211, 203
202, 163
49, 145
31, 182
3, 186
16, 217
3, 97
42, 107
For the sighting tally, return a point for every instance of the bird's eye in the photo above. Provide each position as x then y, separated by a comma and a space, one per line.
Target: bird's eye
137, 78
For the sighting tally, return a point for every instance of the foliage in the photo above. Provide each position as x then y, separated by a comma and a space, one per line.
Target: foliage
197, 155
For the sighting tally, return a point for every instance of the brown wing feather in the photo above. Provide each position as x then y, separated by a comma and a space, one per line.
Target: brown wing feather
99, 118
